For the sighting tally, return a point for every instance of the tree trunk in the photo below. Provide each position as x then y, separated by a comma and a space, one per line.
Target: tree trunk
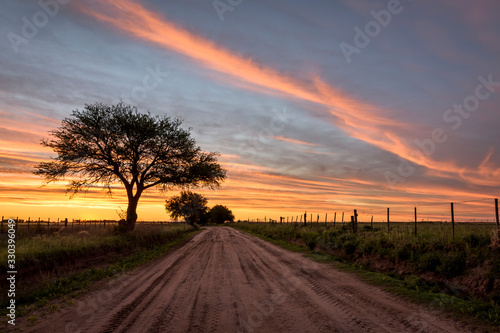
129, 224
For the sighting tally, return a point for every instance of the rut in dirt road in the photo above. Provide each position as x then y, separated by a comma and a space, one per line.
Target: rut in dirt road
224, 280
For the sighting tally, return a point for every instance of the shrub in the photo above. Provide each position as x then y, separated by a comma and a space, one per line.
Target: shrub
430, 261
453, 264
350, 247
404, 252
368, 247
474, 240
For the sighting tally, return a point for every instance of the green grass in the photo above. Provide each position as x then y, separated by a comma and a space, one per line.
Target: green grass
433, 252
34, 246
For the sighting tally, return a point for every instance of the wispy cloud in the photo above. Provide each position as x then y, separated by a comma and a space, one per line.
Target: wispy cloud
359, 119
299, 142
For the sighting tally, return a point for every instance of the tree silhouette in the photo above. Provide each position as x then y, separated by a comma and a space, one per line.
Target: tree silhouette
109, 144
189, 205
220, 214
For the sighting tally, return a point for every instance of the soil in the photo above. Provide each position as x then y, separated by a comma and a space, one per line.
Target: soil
225, 280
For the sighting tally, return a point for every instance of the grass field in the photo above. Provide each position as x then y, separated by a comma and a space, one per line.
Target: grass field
62, 262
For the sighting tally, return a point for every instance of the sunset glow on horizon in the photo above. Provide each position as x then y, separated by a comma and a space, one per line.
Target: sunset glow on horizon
408, 120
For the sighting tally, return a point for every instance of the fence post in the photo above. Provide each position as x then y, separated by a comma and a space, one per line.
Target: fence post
371, 223
343, 218
305, 218
317, 219
66, 222
326, 217
415, 221
496, 215
48, 221
388, 229
355, 224
452, 222
334, 218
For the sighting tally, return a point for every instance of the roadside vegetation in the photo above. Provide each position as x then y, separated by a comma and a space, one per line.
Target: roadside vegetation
461, 274
60, 262
193, 208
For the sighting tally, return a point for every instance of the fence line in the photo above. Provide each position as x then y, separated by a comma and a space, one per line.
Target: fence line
65, 223
452, 213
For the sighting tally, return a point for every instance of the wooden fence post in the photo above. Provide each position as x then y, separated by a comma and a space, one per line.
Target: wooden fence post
371, 223
343, 218
415, 221
388, 228
305, 218
452, 222
334, 218
355, 224
496, 215
326, 217
317, 219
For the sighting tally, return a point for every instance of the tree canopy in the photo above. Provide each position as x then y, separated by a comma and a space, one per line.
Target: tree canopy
108, 144
188, 205
220, 214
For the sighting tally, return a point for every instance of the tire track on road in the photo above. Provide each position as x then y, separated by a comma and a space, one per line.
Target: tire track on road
225, 280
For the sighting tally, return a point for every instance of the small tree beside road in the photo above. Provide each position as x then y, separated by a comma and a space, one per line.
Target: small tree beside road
188, 205
220, 214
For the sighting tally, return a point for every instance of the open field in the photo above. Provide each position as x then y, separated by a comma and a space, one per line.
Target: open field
225, 280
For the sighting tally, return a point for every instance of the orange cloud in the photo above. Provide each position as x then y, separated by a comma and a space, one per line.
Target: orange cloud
360, 120
281, 138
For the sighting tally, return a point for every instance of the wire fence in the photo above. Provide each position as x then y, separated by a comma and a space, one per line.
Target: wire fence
469, 211
75, 223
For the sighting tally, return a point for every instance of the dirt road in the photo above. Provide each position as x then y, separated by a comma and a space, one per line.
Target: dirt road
224, 280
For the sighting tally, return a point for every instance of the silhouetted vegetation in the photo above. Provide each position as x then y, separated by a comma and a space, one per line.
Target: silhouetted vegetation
220, 214
109, 144
188, 205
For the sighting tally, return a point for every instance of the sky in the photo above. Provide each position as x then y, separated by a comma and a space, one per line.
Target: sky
314, 106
